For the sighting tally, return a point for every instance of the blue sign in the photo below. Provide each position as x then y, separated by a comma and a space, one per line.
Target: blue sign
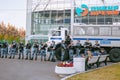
104, 8
83, 10
105, 42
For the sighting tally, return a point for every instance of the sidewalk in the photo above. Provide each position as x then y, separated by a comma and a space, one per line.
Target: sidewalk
14, 69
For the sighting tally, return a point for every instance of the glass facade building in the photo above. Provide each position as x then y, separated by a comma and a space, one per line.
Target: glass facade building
43, 15
50, 14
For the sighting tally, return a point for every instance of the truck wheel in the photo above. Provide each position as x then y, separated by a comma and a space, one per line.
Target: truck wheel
58, 53
115, 55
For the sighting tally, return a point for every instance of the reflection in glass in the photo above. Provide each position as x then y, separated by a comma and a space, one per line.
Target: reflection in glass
90, 31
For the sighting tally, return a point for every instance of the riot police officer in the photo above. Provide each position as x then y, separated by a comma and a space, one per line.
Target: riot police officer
96, 48
68, 40
52, 52
0, 48
78, 48
21, 50
13, 50
63, 48
71, 50
35, 50
28, 50
43, 51
4, 49
87, 46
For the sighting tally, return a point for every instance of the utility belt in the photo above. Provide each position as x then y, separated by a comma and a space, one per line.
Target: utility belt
28, 48
35, 47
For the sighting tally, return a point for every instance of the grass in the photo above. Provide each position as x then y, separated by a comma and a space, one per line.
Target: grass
106, 73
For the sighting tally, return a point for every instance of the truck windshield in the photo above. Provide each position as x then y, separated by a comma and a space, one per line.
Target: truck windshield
56, 33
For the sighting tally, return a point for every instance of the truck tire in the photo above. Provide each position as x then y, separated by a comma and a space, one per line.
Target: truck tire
58, 52
115, 55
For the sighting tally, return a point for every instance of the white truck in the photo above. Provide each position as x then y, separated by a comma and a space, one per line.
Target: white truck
107, 35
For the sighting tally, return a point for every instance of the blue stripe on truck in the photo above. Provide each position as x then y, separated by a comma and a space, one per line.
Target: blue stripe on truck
111, 39
55, 38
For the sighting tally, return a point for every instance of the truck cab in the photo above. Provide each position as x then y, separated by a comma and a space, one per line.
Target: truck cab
58, 35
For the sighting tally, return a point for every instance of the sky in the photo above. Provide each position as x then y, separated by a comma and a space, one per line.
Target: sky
13, 12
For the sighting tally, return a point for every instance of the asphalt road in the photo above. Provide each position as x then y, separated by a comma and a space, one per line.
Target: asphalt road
14, 69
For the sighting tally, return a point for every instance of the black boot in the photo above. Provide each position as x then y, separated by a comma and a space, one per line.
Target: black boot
36, 58
31, 59
26, 58
13, 57
2, 57
5, 56
10, 57
53, 60
18, 57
